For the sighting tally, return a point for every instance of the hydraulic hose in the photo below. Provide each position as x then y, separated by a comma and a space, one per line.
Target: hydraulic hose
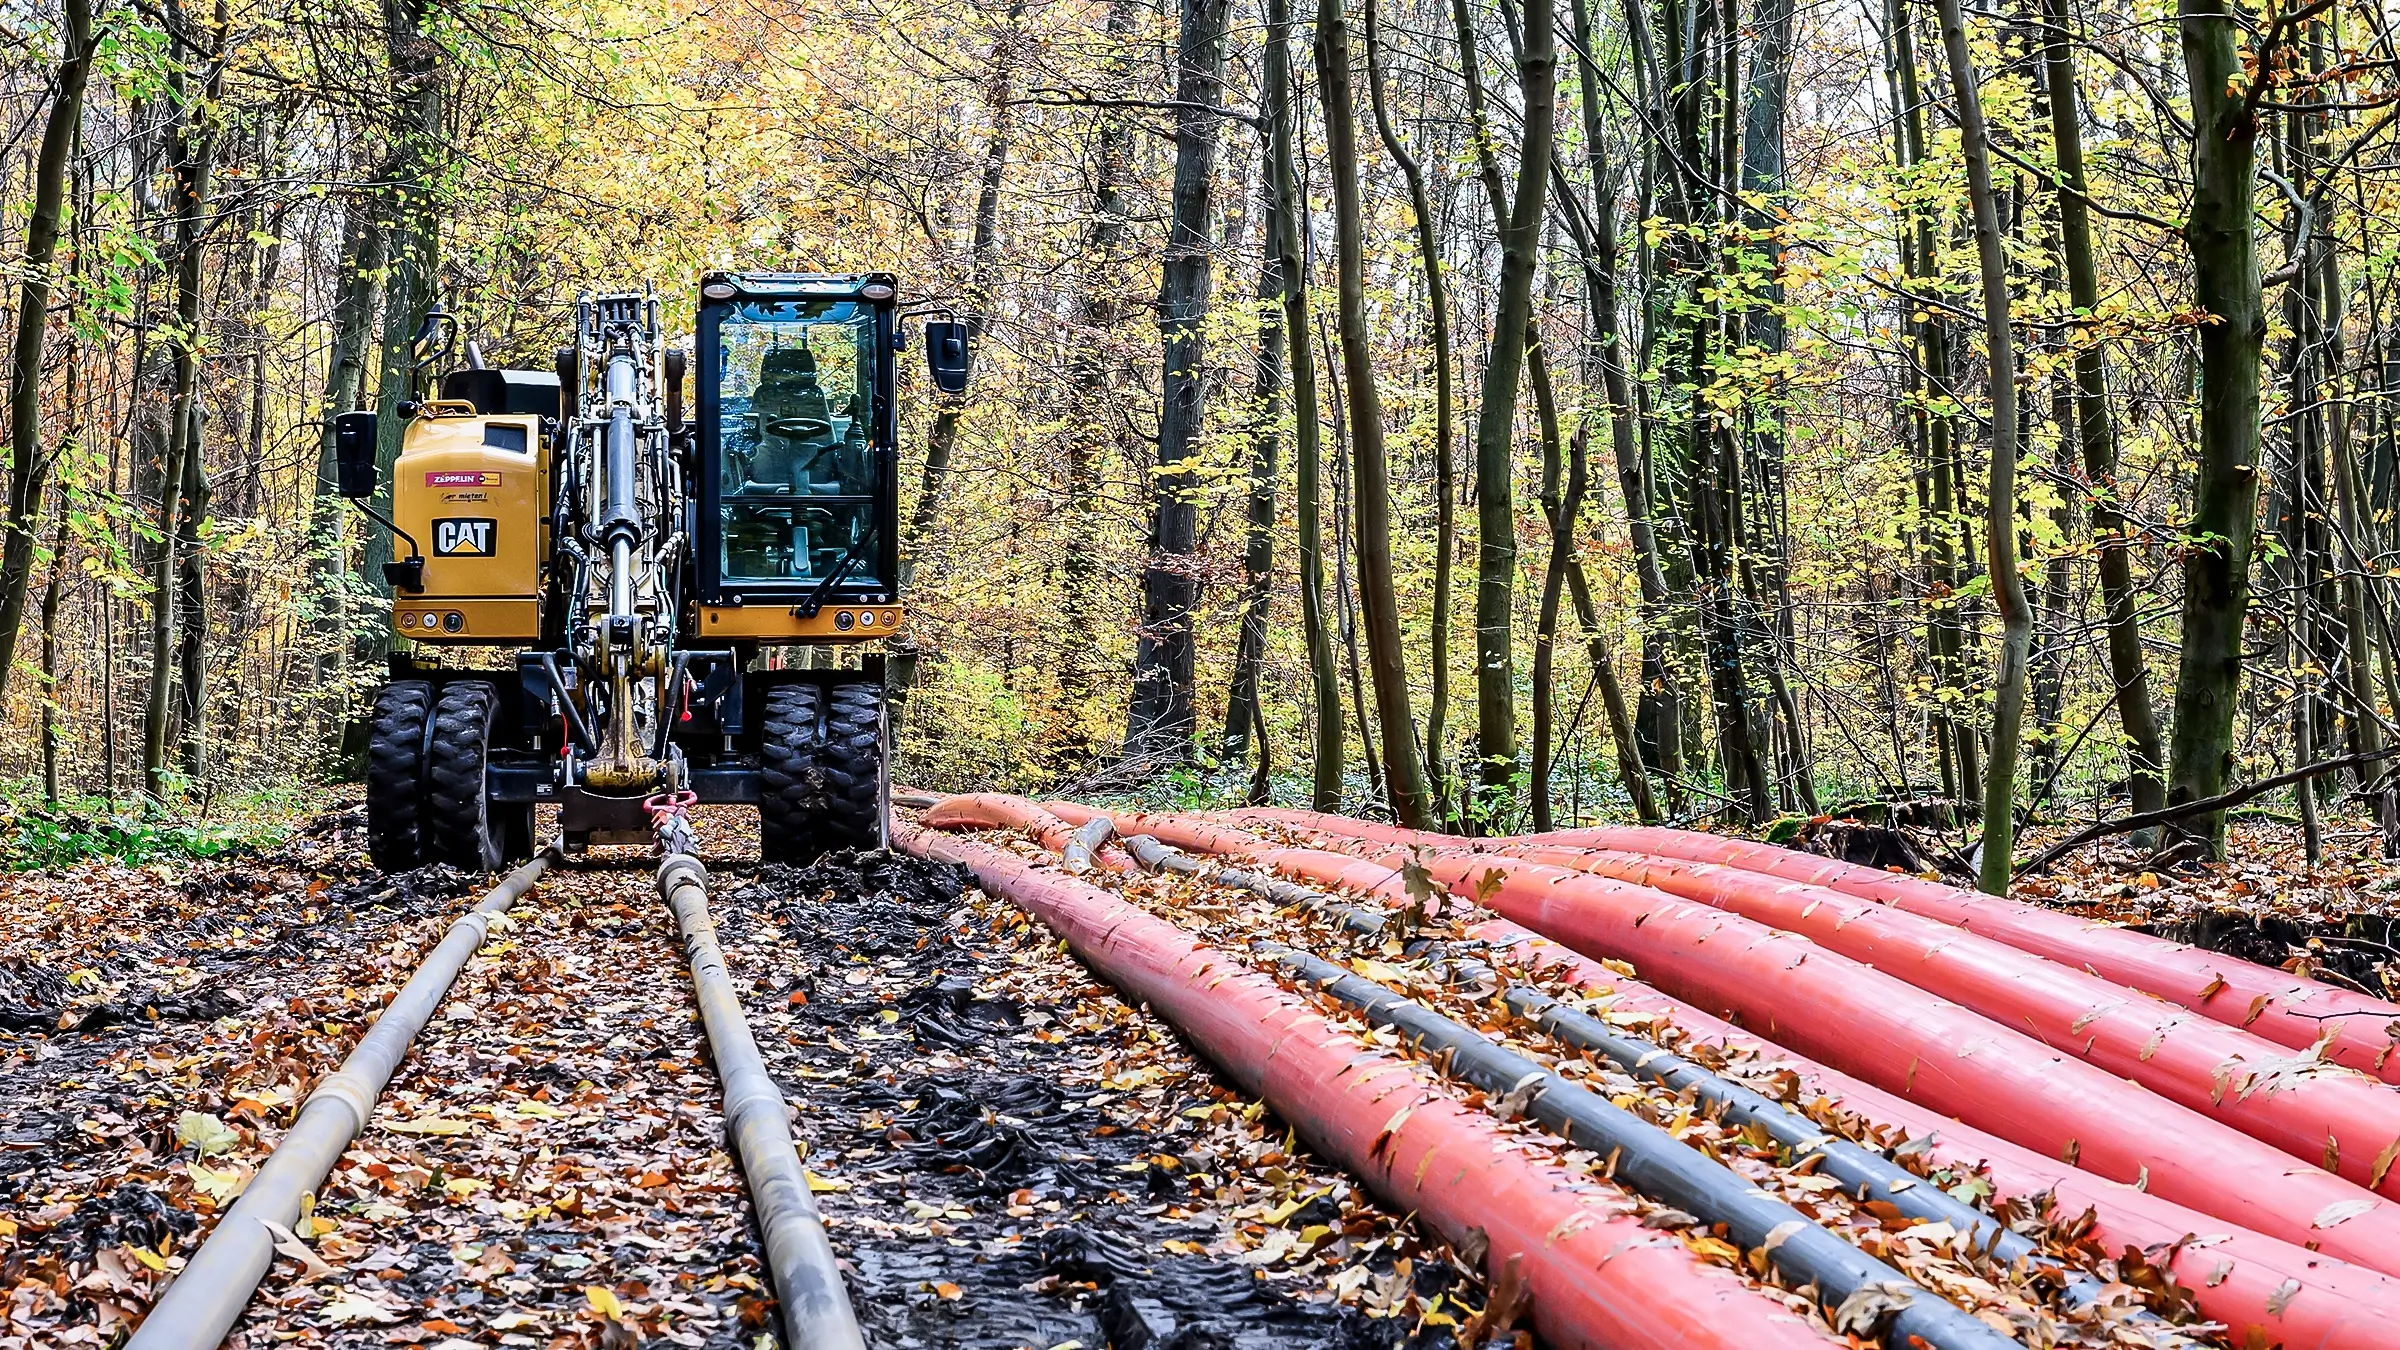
2358, 1030
1598, 1278
1651, 1162
201, 1304
2267, 1291
2328, 1113
814, 1307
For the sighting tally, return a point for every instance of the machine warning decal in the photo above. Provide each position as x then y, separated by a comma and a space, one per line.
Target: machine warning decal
464, 537
465, 478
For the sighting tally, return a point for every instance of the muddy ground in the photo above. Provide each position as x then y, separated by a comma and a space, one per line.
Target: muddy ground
1007, 1154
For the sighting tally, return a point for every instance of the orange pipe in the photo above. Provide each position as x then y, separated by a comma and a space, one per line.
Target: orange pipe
2360, 1031
1853, 1017
1599, 1278
2289, 1295
2338, 1115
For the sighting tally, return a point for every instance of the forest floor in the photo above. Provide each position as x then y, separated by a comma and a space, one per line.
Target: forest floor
1008, 1155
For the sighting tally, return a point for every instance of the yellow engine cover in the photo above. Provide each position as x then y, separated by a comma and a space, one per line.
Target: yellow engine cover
471, 490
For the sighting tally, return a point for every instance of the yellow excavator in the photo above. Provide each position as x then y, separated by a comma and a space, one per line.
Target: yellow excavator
596, 595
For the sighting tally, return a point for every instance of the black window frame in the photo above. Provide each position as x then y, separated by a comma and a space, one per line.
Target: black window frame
708, 531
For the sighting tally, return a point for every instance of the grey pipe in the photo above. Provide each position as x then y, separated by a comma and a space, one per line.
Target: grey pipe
800, 1261
202, 1304
1651, 1162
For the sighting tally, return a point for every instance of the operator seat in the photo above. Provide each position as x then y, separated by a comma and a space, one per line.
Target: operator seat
787, 389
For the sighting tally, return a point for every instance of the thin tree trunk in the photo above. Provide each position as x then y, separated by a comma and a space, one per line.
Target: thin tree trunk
1561, 499
28, 465
1495, 430
1445, 458
1370, 461
192, 609
1161, 721
1094, 424
355, 291
1325, 688
2220, 234
2000, 528
2097, 429
194, 153
1243, 709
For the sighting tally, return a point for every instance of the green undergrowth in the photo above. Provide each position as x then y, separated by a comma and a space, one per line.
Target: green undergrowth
35, 833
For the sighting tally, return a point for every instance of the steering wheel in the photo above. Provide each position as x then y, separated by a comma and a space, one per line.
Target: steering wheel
798, 428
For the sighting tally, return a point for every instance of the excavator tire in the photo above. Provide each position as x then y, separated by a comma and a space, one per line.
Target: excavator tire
396, 774
822, 780
856, 785
790, 789
458, 826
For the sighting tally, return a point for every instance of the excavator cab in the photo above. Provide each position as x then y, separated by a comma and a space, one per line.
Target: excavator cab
654, 575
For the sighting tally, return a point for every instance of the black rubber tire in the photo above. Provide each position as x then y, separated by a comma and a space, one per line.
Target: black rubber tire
852, 762
458, 825
396, 774
790, 790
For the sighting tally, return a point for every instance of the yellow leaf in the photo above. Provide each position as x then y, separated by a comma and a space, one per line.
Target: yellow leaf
430, 1125
603, 1301
147, 1257
948, 1290
821, 1185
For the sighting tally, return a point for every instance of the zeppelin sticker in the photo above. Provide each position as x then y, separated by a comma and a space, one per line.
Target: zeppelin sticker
463, 537
465, 478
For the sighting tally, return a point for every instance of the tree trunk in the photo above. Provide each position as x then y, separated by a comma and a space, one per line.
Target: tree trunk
192, 610
2097, 429
28, 465
1495, 429
1160, 724
1764, 333
412, 243
1371, 490
1243, 709
1325, 688
355, 291
2000, 527
1561, 499
193, 154
2220, 235
1445, 465
1094, 427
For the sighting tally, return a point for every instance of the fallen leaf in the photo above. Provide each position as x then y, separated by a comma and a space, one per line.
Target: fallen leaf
200, 1130
357, 1308
430, 1125
312, 1266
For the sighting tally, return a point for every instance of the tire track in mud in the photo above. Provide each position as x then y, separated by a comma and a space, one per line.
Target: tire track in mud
1011, 1156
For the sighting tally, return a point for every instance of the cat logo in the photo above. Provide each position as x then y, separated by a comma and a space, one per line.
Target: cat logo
463, 537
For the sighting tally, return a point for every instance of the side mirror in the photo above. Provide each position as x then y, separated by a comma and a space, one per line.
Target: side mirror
946, 354
354, 455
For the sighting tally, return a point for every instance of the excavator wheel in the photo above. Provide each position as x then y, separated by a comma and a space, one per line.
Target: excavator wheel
789, 788
822, 782
458, 827
396, 774
856, 781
